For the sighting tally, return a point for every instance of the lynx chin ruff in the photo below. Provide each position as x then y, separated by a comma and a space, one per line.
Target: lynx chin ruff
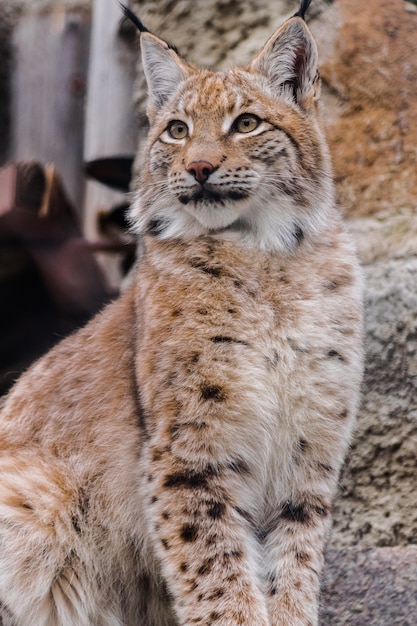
174, 462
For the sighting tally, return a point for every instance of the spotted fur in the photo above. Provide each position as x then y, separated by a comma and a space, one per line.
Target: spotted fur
175, 462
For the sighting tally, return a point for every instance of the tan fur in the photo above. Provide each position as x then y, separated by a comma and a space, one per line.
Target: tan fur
174, 462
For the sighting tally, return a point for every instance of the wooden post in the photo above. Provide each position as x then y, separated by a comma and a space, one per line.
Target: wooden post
48, 89
111, 123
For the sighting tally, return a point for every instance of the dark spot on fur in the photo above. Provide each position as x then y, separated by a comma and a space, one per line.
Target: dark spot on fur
206, 567
298, 234
224, 339
245, 514
261, 534
324, 468
302, 445
189, 532
176, 312
166, 515
237, 195
216, 510
154, 499
212, 392
332, 354
190, 479
184, 567
272, 591
207, 269
6, 614
238, 283
195, 357
321, 509
231, 311
295, 512
200, 597
202, 311
343, 414
220, 339
239, 466
150, 478
157, 454
165, 544
211, 539
303, 558
215, 615
76, 524
303, 512
157, 226
236, 554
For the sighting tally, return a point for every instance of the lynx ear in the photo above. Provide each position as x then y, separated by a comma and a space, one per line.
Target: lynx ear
289, 62
164, 70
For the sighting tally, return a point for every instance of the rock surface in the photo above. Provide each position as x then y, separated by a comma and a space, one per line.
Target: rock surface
377, 505
370, 71
375, 587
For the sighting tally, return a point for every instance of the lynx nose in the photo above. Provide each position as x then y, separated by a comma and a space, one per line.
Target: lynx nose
201, 170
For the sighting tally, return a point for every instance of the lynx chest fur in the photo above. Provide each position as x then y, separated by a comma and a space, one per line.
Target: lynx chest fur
174, 463
237, 347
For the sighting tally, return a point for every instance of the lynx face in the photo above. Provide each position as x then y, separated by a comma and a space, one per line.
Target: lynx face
237, 153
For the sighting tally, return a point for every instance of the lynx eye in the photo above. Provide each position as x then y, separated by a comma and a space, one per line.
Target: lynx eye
246, 123
177, 129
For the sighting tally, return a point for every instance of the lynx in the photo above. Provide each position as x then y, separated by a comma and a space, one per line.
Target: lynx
175, 461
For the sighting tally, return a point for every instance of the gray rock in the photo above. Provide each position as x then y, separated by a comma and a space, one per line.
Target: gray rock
377, 505
374, 587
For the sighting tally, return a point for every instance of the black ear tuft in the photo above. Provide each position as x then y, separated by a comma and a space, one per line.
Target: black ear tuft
133, 18
139, 24
303, 9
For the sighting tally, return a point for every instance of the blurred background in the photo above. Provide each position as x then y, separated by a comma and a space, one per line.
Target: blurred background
72, 120
68, 137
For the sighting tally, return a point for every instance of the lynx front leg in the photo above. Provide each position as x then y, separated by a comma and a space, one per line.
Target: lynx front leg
294, 548
207, 554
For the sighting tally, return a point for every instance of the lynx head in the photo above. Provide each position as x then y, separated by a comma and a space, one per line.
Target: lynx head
237, 154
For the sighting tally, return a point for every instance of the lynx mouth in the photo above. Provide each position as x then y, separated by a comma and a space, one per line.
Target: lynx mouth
210, 196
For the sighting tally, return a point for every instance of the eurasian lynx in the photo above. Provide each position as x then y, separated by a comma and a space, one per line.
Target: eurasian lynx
175, 461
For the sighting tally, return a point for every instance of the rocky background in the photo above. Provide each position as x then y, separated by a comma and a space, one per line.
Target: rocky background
368, 54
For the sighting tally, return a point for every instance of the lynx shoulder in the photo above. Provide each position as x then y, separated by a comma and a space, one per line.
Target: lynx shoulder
174, 462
